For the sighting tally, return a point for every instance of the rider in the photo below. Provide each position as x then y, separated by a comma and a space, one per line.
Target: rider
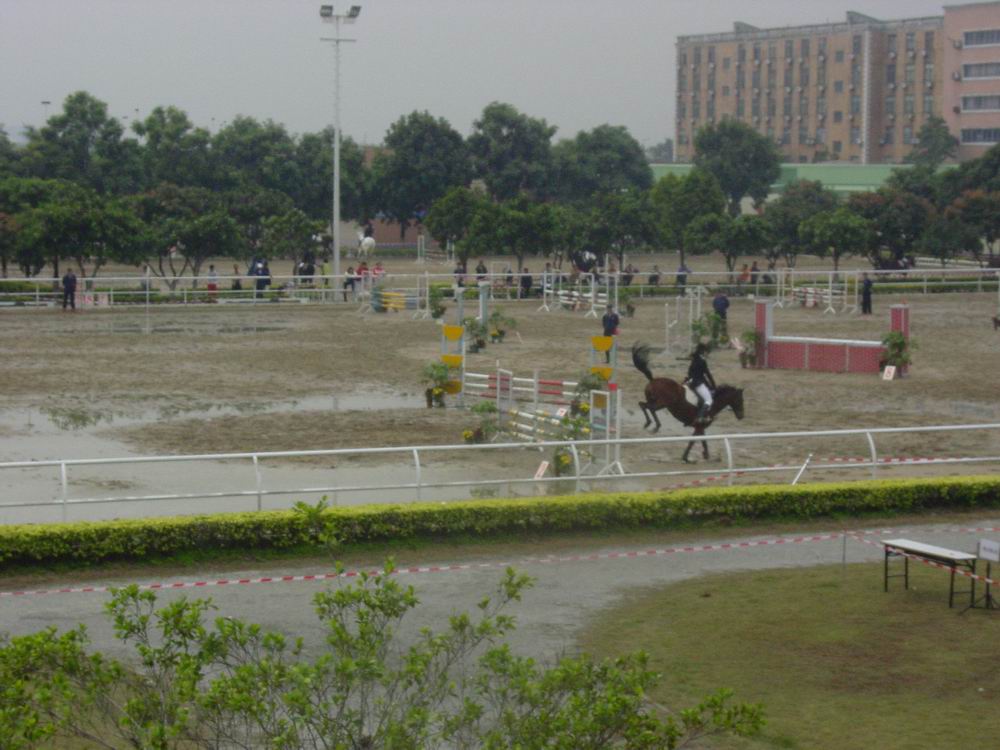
701, 382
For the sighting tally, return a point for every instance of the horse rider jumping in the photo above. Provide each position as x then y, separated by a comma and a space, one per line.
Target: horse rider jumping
701, 381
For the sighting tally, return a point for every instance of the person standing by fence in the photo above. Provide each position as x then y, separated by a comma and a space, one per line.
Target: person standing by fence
866, 294
610, 323
69, 289
721, 306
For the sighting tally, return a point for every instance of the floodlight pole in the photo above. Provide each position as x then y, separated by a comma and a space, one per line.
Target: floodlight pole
335, 18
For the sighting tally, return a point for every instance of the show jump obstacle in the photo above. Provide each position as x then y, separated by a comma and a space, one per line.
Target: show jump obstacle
819, 354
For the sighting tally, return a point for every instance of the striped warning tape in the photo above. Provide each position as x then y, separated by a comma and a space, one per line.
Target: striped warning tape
547, 560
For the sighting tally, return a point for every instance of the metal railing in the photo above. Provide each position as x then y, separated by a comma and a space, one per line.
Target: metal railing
416, 455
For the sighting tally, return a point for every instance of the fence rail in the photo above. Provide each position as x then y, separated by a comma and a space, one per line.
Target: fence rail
418, 457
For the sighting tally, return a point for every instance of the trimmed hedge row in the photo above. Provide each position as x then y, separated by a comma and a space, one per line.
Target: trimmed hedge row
91, 542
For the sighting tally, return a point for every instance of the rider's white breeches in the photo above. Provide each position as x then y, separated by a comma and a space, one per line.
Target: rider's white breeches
705, 394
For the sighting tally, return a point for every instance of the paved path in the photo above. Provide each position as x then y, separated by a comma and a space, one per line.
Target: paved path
570, 588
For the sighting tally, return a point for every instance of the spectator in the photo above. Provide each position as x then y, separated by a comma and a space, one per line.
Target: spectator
349, 280
459, 274
628, 273
721, 306
654, 276
213, 284
69, 290
378, 271
682, 277
509, 277
237, 284
610, 323
754, 273
866, 294
744, 277
481, 270
526, 282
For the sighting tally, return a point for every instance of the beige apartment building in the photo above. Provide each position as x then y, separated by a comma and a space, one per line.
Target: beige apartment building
857, 91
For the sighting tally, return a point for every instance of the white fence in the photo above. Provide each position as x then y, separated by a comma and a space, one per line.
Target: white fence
420, 457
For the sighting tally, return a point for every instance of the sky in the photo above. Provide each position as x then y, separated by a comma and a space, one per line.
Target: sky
575, 63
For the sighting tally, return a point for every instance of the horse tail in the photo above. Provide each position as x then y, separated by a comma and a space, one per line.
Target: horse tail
640, 358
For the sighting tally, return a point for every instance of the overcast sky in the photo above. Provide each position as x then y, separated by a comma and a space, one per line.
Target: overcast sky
576, 63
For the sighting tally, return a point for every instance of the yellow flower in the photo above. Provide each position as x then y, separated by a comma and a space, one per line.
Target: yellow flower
565, 460
437, 391
584, 408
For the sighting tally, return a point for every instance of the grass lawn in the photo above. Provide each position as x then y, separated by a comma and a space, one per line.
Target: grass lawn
836, 662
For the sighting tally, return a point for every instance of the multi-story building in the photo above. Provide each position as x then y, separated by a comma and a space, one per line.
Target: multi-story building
856, 91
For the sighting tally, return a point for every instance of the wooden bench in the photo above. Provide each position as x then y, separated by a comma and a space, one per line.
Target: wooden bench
950, 558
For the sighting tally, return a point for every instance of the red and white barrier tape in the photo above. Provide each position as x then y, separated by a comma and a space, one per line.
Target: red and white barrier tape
431, 569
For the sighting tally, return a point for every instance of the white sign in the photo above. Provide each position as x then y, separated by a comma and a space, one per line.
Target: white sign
542, 468
889, 373
989, 549
561, 412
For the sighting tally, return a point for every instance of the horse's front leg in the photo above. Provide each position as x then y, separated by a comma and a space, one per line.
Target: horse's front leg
657, 420
644, 406
687, 452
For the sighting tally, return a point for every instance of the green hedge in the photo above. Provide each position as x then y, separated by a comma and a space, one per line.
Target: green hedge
91, 542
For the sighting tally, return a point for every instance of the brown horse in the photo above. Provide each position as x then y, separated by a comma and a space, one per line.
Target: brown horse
663, 393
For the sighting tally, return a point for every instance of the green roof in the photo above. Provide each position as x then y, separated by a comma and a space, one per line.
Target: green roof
842, 178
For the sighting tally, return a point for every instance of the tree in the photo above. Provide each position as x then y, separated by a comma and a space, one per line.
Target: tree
311, 189
289, 235
742, 236
254, 154
708, 234
235, 684
661, 153
604, 160
621, 223
250, 207
451, 216
83, 144
517, 227
511, 152
9, 155
834, 234
946, 237
677, 201
744, 162
174, 151
896, 219
921, 180
797, 203
979, 211
935, 144
8, 241
423, 158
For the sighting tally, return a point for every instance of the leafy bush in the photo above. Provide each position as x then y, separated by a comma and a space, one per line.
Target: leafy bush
140, 539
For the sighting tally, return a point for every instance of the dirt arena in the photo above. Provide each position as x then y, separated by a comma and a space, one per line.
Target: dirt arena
267, 366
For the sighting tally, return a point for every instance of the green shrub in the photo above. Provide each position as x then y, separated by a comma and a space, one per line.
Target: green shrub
91, 542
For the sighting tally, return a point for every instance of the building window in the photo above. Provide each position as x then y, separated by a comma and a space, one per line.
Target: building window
855, 104
770, 132
741, 81
929, 43
803, 135
786, 106
755, 106
695, 80
710, 109
856, 44
804, 106
786, 135
711, 54
838, 56
684, 59
741, 54
821, 75
890, 42
928, 104
855, 75
772, 51
772, 107
804, 47
910, 73
711, 79
838, 116
821, 105
726, 62
837, 147
981, 70
740, 107
725, 91
909, 105
682, 138
788, 75
981, 103
928, 73
911, 41
820, 135
804, 76
755, 78
697, 55
695, 108
838, 87
756, 52
890, 73
890, 105
855, 135
681, 80
908, 135
982, 38
888, 136
772, 76
821, 44
681, 110
981, 135
789, 48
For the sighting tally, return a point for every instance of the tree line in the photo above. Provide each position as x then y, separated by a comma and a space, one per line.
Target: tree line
169, 194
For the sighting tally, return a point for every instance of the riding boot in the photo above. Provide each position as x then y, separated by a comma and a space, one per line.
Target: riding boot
702, 416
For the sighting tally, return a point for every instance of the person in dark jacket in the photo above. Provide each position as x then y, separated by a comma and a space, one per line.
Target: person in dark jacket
866, 295
699, 377
610, 322
69, 289
721, 306
526, 282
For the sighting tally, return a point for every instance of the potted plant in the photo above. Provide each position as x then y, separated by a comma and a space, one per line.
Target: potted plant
499, 324
435, 301
476, 330
489, 423
897, 352
437, 376
748, 355
625, 302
